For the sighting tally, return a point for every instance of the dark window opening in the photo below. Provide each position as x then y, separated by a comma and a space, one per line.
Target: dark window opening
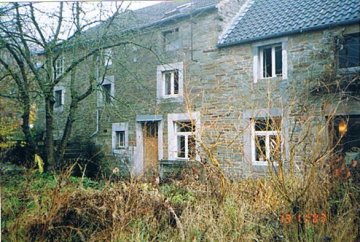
107, 92
278, 61
349, 51
58, 98
120, 139
151, 129
267, 66
176, 82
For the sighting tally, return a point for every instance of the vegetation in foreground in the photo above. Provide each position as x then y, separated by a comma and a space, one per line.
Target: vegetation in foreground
53, 207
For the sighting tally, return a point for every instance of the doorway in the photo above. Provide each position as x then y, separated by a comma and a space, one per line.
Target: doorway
151, 147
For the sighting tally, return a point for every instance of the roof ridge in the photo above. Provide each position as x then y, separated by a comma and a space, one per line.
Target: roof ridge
243, 10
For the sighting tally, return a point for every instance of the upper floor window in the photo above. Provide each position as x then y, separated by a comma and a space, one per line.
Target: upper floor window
59, 98
59, 66
171, 40
266, 141
106, 93
270, 60
349, 51
170, 81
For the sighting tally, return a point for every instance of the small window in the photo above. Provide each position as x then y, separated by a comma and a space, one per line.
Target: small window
266, 140
171, 40
107, 92
271, 61
58, 98
120, 139
349, 51
59, 67
185, 136
171, 82
108, 57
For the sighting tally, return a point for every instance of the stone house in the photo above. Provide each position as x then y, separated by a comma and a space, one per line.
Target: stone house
249, 82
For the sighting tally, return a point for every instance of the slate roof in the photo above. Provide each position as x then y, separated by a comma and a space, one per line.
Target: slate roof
164, 11
265, 19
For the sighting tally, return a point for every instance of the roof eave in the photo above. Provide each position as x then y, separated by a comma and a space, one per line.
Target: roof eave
298, 31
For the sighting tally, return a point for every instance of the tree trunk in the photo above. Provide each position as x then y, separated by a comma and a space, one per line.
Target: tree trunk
49, 138
26, 125
67, 131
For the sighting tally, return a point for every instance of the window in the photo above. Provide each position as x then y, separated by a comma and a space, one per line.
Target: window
59, 98
120, 139
106, 93
108, 57
185, 136
266, 141
349, 51
183, 130
270, 59
345, 133
171, 40
170, 81
59, 66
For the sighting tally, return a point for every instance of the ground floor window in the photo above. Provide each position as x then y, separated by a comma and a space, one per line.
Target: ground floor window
345, 134
266, 140
185, 135
183, 131
120, 138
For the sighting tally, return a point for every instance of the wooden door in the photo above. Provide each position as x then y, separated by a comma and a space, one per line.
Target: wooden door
150, 134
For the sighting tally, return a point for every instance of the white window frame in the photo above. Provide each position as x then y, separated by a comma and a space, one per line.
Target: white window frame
258, 58
267, 135
173, 120
61, 106
161, 70
119, 127
59, 66
108, 54
108, 80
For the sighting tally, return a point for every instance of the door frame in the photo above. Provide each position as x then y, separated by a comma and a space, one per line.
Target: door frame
139, 154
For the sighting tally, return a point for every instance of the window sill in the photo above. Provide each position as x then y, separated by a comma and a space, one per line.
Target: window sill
170, 99
59, 109
348, 71
263, 163
119, 150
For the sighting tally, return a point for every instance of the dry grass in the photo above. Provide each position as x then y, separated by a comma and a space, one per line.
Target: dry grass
60, 209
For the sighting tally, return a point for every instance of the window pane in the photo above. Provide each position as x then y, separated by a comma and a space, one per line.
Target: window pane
267, 124
181, 146
267, 66
260, 148
107, 92
349, 54
120, 139
191, 147
58, 98
186, 126
275, 147
167, 79
176, 82
278, 61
